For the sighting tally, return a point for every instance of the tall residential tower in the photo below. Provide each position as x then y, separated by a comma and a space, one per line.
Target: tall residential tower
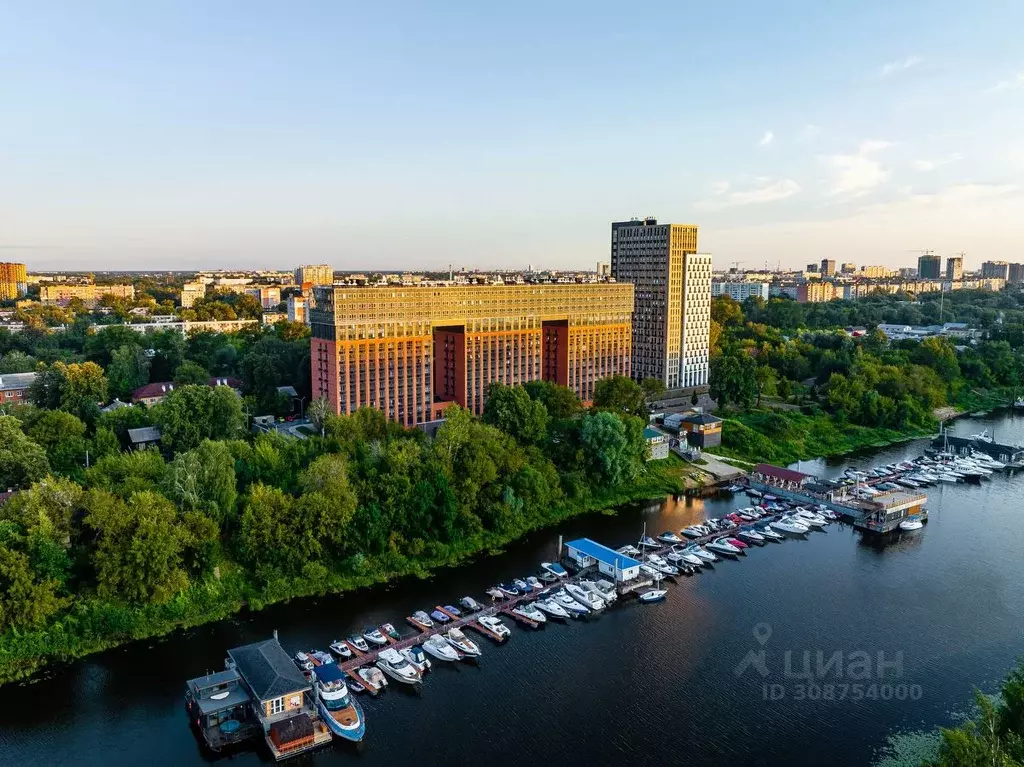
672, 304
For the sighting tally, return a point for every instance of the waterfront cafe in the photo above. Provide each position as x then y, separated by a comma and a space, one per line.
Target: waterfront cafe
777, 476
584, 552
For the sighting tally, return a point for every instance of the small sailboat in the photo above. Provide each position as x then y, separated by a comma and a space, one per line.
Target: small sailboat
654, 595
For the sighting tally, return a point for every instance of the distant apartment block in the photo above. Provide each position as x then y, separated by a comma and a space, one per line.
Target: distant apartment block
269, 296
998, 270
740, 291
412, 351
319, 274
876, 272
297, 309
817, 292
190, 293
62, 294
929, 267
848, 268
671, 318
1015, 274
955, 268
828, 267
13, 281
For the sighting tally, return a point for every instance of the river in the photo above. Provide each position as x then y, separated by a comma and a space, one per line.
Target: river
659, 683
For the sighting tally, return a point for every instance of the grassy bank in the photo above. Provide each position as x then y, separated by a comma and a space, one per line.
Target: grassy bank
94, 625
782, 437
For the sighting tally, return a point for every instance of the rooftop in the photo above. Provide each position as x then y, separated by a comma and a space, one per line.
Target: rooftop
205, 687
778, 472
144, 434
11, 381
267, 669
602, 553
700, 418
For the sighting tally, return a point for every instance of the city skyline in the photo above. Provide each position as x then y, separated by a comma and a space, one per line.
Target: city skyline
138, 138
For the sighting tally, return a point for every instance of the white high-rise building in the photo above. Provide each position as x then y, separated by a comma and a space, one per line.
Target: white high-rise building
740, 291
695, 349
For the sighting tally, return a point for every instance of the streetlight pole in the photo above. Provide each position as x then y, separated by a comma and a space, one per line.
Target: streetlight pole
302, 401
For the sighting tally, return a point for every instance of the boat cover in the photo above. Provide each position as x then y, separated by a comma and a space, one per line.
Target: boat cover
328, 673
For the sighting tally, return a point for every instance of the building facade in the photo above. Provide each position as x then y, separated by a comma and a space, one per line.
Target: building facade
999, 270
297, 309
269, 296
929, 267
816, 292
13, 281
61, 294
671, 280
14, 387
192, 292
314, 274
740, 291
1015, 273
828, 267
955, 268
412, 351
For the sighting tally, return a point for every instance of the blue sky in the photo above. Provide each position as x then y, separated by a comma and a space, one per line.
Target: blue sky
414, 135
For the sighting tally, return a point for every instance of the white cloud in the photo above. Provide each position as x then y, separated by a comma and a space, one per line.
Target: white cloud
1014, 82
809, 131
899, 65
767, 138
926, 166
765, 190
857, 174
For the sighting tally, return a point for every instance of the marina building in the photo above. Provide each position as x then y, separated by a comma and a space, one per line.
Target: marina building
657, 444
701, 429
672, 314
410, 351
584, 552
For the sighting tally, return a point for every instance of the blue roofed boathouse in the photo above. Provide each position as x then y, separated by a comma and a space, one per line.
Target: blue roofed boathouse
586, 553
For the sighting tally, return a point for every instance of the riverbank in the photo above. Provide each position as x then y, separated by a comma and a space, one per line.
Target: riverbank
784, 437
94, 625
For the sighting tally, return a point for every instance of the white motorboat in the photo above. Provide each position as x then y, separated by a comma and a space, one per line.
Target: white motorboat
530, 612
911, 523
337, 708
769, 534
570, 604
599, 592
438, 647
701, 553
471, 604
647, 542
651, 571
585, 597
358, 643
391, 662
751, 536
534, 583
659, 564
629, 551
373, 678
789, 525
669, 537
303, 662
375, 636
722, 546
457, 639
654, 595
496, 626
422, 619
341, 649
808, 518
695, 531
416, 657
555, 569
552, 608
606, 590
680, 556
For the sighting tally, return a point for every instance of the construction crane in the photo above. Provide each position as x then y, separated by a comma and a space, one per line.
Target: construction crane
736, 265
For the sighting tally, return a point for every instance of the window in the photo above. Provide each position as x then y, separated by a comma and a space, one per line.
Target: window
276, 706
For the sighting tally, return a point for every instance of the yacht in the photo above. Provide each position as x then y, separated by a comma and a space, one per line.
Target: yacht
602, 588
570, 604
341, 649
457, 639
696, 531
680, 556
585, 597
651, 571
750, 536
422, 619
554, 568
629, 551
769, 534
417, 658
530, 612
338, 709
669, 537
789, 525
375, 636
391, 662
911, 523
662, 566
808, 518
552, 608
496, 626
654, 595
441, 649
722, 546
701, 553
358, 642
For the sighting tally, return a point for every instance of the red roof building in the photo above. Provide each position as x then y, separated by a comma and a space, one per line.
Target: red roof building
152, 393
778, 476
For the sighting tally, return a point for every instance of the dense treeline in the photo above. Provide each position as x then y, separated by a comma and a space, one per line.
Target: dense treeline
140, 540
780, 350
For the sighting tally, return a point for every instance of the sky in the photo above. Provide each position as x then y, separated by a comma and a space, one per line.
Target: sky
414, 135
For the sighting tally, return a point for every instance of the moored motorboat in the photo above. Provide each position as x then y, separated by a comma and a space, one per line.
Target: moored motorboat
416, 657
654, 595
341, 649
452, 610
440, 649
581, 595
647, 542
337, 708
569, 604
738, 543
751, 536
769, 535
389, 630
602, 589
358, 643
662, 566
375, 636
421, 619
555, 569
373, 678
679, 556
392, 663
788, 525
457, 639
494, 625
303, 661
530, 612
722, 546
911, 523
521, 586
534, 583
669, 537
701, 553
439, 616
551, 608
470, 604
507, 590
495, 593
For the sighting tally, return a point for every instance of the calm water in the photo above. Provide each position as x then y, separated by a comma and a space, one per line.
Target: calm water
656, 682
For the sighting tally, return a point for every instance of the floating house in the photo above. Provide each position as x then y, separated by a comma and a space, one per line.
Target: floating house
281, 698
218, 705
584, 552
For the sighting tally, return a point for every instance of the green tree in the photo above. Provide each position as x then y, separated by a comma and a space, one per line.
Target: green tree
22, 461
560, 401
189, 414
654, 388
266, 537
62, 436
17, 362
76, 388
189, 372
203, 479
620, 394
101, 344
140, 543
606, 449
127, 371
126, 473
510, 409
26, 599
